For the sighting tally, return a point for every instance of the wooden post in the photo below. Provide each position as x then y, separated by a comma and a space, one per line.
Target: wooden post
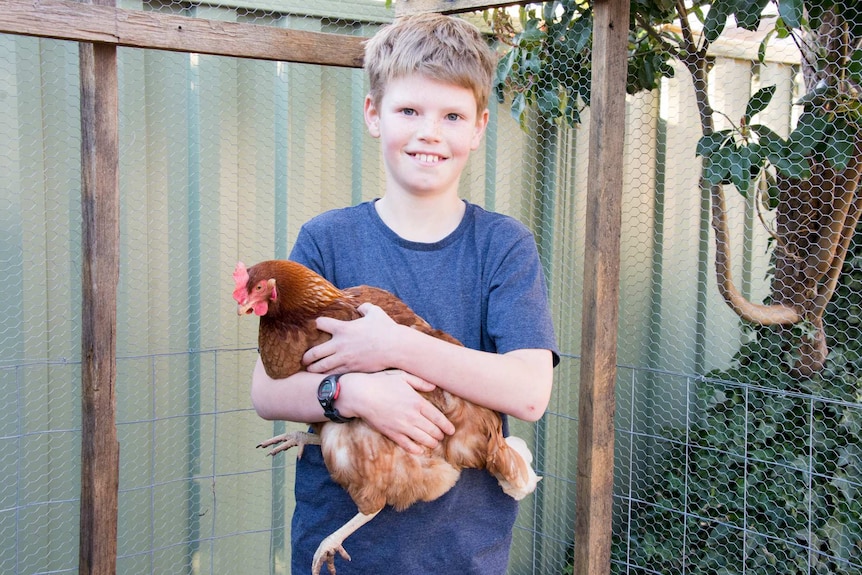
100, 450
595, 479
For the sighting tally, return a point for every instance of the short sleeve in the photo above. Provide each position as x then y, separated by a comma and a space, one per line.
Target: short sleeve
306, 252
519, 314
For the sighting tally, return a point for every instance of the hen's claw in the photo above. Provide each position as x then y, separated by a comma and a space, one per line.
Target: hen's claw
325, 554
285, 441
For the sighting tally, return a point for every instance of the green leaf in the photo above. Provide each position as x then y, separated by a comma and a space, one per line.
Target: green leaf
814, 95
758, 102
841, 146
500, 93
811, 129
761, 49
578, 35
773, 192
529, 62
716, 20
717, 166
772, 142
504, 67
748, 13
738, 173
707, 145
745, 164
787, 161
781, 29
572, 112
519, 104
548, 101
713, 172
855, 66
793, 166
790, 12
548, 11
646, 74
532, 36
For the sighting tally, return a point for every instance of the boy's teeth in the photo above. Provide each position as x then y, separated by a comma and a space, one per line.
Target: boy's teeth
426, 158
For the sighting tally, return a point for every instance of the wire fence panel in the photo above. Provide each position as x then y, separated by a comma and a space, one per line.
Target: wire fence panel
724, 463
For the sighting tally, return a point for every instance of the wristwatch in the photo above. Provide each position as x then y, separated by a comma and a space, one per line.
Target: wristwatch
327, 393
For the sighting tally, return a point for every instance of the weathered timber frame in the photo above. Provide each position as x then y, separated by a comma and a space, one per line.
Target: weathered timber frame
101, 28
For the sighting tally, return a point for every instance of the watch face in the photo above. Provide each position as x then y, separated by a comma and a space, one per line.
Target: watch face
327, 393
326, 389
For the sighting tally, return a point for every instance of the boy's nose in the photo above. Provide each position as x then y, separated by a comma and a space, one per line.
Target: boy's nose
430, 129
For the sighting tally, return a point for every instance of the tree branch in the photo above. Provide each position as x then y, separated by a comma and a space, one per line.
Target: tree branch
745, 309
851, 210
695, 60
658, 38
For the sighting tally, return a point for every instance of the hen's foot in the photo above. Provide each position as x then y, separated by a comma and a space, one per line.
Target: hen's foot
327, 549
325, 554
285, 441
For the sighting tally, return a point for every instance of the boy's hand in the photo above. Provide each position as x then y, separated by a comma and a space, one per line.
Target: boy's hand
388, 401
356, 346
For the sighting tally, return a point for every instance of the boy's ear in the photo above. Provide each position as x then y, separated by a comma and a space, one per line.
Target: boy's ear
479, 131
372, 118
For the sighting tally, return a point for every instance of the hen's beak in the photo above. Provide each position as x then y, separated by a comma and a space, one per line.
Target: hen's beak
244, 308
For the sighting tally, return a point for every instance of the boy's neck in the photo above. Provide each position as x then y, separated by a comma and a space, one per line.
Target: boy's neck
423, 220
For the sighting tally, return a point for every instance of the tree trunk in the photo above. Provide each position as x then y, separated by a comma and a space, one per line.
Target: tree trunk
815, 221
816, 218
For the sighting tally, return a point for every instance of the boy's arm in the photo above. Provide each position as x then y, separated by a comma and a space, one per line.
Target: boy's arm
387, 401
517, 383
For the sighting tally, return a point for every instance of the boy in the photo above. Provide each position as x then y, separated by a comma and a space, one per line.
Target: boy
471, 273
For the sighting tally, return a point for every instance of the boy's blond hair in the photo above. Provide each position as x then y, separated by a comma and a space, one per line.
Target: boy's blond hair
439, 47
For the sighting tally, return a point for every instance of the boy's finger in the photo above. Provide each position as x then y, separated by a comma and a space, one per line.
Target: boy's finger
418, 383
316, 354
408, 444
328, 324
367, 308
436, 417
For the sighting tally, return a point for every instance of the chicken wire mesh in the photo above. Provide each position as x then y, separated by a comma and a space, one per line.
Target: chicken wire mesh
724, 464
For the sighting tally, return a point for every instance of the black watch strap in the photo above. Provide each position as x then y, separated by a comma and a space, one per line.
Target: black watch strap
327, 393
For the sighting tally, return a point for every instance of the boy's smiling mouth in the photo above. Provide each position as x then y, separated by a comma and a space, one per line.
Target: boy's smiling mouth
427, 158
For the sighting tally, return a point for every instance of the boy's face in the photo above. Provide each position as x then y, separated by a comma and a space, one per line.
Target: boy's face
427, 130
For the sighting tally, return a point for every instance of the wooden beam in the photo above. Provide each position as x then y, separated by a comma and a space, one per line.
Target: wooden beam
595, 478
406, 7
100, 273
68, 20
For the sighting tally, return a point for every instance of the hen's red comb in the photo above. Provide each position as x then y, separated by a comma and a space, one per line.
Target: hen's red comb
240, 277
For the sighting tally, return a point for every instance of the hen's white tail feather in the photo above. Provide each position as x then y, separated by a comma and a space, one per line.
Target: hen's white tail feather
527, 479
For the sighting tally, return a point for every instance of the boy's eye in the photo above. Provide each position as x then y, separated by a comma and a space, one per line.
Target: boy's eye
453, 117
408, 112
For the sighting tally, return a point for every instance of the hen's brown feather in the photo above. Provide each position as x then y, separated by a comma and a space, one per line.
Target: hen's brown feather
374, 470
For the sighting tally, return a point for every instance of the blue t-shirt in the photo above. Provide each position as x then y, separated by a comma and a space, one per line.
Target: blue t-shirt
484, 285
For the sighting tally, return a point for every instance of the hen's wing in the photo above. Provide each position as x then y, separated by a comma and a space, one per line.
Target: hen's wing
282, 343
282, 346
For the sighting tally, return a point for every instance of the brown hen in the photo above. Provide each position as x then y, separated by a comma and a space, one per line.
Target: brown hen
288, 297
